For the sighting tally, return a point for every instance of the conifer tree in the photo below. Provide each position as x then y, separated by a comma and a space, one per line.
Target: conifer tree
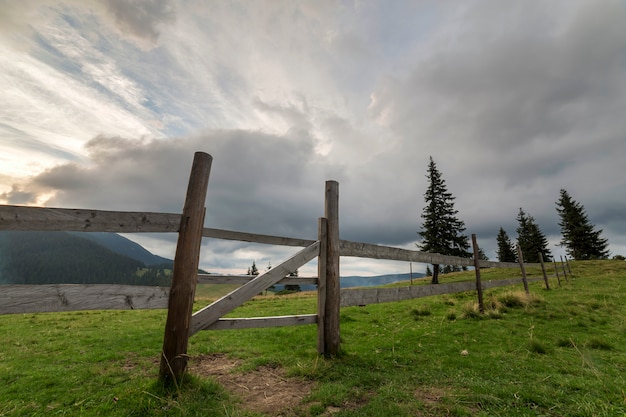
506, 252
442, 231
531, 239
578, 235
253, 270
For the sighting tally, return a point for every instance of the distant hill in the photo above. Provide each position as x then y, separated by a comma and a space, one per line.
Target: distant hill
78, 258
358, 281
121, 245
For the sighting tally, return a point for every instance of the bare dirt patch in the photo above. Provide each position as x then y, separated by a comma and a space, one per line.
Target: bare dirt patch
264, 390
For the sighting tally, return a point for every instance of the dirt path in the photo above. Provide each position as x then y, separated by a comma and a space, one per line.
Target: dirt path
265, 390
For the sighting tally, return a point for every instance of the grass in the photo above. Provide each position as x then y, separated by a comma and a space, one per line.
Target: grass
558, 353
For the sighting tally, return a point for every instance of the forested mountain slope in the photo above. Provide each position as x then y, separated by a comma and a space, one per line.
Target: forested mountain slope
73, 258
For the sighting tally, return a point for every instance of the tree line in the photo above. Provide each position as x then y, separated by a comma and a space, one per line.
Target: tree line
443, 232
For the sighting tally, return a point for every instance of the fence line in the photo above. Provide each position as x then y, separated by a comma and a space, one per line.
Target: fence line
181, 324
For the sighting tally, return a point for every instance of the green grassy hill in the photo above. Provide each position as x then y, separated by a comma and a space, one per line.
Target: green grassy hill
556, 353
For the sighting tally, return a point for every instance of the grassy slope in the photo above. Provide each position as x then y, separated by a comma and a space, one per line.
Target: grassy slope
562, 355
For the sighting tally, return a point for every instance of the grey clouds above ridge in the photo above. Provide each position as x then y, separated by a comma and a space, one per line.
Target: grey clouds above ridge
107, 101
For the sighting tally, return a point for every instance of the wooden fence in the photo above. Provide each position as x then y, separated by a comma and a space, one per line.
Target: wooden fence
181, 323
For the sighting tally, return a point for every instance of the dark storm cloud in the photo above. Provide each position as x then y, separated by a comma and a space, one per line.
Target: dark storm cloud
141, 19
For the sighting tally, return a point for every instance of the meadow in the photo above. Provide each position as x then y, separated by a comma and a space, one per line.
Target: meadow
560, 352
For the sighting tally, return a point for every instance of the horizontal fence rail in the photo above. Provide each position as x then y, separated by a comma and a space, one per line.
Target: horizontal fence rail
242, 279
85, 220
258, 322
17, 299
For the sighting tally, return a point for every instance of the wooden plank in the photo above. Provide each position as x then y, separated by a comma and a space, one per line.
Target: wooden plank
259, 322
210, 314
242, 279
17, 299
255, 238
368, 250
184, 275
85, 220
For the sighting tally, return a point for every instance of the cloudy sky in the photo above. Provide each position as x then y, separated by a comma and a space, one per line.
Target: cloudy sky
103, 103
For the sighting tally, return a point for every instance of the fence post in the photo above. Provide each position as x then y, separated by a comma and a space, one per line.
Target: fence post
479, 286
556, 269
543, 269
331, 311
563, 266
184, 278
520, 258
568, 267
322, 259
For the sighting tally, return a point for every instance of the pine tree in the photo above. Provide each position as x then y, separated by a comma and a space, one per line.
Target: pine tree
253, 270
531, 239
506, 252
441, 229
578, 234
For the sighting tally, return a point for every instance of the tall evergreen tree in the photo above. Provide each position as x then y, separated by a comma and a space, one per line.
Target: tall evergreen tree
442, 231
253, 270
531, 239
578, 235
506, 251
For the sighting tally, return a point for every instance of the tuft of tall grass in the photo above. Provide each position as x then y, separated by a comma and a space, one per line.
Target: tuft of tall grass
422, 311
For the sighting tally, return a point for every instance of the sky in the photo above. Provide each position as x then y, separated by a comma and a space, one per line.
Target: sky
103, 104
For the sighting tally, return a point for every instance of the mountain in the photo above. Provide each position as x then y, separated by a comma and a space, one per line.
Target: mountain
123, 246
28, 257
105, 258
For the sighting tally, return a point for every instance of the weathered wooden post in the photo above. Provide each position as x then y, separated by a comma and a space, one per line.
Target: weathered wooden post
543, 269
322, 233
520, 258
563, 267
479, 286
184, 278
568, 267
556, 269
333, 300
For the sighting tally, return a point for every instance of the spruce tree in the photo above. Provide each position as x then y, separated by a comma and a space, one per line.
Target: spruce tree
442, 231
253, 270
531, 239
578, 235
506, 252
